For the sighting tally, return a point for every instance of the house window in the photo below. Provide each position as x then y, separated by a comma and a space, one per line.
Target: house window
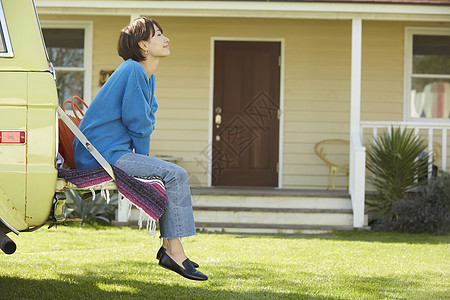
427, 82
5, 44
69, 51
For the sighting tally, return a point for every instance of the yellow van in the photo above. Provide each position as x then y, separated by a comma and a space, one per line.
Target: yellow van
28, 123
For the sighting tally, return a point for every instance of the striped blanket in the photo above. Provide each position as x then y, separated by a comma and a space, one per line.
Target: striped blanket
146, 194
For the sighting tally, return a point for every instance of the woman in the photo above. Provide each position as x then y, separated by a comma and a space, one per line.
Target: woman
119, 123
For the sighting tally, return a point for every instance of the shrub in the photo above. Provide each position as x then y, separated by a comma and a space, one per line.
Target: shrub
427, 209
397, 161
95, 210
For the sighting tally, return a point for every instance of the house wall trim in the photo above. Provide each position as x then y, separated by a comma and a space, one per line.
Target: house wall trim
248, 9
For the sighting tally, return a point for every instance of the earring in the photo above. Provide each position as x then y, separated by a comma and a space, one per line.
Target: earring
147, 52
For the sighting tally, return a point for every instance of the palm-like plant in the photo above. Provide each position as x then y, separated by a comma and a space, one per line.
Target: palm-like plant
91, 210
397, 160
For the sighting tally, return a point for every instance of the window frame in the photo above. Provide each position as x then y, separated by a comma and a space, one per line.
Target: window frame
4, 29
408, 74
88, 49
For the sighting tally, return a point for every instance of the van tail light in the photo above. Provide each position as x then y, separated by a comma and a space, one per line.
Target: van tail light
12, 137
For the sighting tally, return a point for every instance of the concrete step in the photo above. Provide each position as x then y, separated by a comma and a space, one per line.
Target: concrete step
232, 218
269, 211
288, 202
256, 216
272, 211
268, 228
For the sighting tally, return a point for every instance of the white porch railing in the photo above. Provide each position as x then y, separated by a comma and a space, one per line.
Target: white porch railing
432, 132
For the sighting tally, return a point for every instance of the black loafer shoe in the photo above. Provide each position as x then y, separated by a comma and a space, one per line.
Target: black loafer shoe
160, 252
189, 271
163, 250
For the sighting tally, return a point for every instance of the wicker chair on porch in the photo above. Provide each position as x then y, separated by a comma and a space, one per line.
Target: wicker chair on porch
335, 154
437, 152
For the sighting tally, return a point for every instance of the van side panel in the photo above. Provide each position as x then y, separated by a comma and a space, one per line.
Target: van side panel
13, 89
13, 166
42, 175
27, 171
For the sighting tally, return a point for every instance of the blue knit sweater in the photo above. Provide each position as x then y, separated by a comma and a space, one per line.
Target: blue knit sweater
121, 117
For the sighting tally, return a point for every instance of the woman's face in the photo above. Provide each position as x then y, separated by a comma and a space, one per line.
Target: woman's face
158, 45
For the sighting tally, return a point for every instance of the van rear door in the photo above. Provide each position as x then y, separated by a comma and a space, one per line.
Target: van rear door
28, 101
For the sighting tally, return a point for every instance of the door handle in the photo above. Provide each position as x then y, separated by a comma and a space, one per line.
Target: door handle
218, 117
218, 120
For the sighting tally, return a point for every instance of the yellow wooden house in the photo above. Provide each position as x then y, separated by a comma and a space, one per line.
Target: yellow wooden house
251, 87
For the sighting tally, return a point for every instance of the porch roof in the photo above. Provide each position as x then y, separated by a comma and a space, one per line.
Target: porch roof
405, 10
424, 2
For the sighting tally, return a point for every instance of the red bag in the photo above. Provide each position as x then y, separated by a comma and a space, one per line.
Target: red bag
66, 136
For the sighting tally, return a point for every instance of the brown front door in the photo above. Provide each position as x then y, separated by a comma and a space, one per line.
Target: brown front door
246, 114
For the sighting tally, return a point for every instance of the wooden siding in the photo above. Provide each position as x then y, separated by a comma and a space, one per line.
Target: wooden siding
383, 71
316, 87
317, 56
317, 97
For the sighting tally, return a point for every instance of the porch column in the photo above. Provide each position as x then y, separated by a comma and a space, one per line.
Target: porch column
355, 93
357, 151
123, 211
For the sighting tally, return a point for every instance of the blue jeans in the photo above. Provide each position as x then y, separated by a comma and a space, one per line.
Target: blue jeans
178, 220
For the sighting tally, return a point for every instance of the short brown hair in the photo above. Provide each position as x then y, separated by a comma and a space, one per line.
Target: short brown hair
139, 29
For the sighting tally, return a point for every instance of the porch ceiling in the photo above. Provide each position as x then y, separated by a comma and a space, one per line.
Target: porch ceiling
382, 10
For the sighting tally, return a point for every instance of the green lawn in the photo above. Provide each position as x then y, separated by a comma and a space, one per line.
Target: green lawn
119, 263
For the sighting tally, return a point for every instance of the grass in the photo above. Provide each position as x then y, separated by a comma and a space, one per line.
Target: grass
119, 263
